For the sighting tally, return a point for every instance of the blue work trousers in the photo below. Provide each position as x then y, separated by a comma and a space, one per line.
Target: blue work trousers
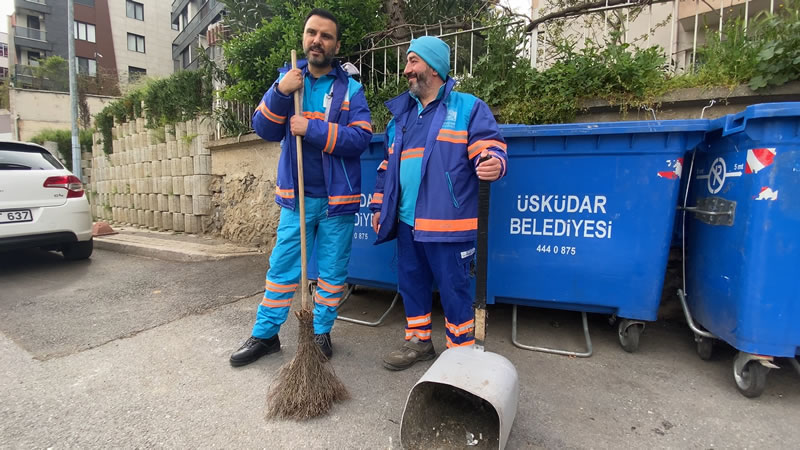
450, 265
334, 238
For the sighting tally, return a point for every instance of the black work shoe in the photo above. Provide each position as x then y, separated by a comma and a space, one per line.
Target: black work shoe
253, 349
323, 341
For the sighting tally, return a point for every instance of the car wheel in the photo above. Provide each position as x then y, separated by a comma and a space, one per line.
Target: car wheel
78, 250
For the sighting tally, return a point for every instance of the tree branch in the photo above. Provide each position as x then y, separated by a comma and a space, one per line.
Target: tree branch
578, 9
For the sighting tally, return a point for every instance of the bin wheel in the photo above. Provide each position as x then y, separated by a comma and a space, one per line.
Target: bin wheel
629, 333
705, 348
752, 379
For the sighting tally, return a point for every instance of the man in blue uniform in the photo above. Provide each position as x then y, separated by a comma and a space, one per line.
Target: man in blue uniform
336, 129
439, 143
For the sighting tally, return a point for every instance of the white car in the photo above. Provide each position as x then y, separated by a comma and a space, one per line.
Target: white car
42, 204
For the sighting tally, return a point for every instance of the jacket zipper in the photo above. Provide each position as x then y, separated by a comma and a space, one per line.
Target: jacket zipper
450, 186
346, 177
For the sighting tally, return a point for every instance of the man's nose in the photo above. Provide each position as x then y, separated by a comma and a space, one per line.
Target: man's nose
407, 70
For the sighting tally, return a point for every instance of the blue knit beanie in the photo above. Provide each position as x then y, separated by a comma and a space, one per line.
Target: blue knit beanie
433, 51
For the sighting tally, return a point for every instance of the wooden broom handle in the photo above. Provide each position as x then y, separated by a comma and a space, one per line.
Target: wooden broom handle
301, 202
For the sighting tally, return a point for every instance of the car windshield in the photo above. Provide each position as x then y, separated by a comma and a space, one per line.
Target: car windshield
27, 158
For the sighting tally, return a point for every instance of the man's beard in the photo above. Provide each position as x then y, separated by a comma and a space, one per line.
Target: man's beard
319, 61
421, 85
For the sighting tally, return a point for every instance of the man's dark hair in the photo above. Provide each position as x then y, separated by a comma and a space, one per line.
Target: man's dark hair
328, 15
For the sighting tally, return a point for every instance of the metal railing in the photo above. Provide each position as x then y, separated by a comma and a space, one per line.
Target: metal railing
391, 60
30, 33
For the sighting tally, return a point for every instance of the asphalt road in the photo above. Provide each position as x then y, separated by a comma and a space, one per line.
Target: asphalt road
125, 351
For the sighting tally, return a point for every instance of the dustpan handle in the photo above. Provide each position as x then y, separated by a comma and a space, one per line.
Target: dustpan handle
483, 245
482, 260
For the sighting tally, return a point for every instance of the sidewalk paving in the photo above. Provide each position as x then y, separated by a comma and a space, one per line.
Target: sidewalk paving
171, 246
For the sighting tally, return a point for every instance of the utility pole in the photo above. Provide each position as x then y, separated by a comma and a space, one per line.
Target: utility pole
73, 90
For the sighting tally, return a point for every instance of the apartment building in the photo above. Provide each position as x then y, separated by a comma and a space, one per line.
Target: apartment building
115, 40
3, 56
142, 35
678, 26
192, 18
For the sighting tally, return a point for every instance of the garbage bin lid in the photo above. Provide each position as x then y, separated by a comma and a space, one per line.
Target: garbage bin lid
735, 123
595, 128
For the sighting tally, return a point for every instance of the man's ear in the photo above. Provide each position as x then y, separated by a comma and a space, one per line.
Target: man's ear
338, 44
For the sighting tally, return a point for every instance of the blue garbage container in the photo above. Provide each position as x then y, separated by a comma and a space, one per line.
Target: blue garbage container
370, 265
583, 220
743, 238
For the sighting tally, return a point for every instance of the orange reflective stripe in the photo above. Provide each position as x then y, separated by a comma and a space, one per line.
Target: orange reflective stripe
345, 106
409, 153
384, 165
333, 131
329, 287
361, 124
275, 287
442, 225
456, 137
478, 146
285, 193
449, 139
391, 149
451, 344
458, 330
262, 107
419, 321
422, 335
377, 198
344, 199
269, 303
334, 302
314, 115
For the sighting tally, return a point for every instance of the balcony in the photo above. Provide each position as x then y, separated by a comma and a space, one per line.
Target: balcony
30, 77
34, 5
31, 38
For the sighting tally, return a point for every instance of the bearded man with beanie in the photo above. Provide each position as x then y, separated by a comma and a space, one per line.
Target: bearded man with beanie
438, 144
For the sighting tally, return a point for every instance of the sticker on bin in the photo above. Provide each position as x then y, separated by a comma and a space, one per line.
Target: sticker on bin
758, 159
675, 173
767, 194
717, 175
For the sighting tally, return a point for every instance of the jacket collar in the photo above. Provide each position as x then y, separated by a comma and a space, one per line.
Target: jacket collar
302, 64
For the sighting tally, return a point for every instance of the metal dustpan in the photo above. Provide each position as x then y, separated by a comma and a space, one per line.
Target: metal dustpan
468, 397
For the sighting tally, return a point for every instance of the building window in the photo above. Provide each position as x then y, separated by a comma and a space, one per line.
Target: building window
84, 31
135, 43
3, 50
3, 72
176, 26
33, 58
33, 23
134, 73
87, 66
186, 57
134, 10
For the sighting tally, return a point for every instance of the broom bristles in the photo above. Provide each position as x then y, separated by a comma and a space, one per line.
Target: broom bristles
306, 386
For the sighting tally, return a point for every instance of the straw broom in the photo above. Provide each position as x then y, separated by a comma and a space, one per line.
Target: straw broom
305, 387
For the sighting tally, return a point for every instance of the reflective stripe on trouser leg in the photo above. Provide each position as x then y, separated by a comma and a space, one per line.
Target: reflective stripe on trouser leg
334, 242
451, 264
284, 270
414, 281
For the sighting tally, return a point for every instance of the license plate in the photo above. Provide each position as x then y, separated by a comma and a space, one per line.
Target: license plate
18, 215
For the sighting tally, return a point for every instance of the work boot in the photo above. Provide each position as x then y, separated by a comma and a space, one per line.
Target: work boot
324, 343
411, 352
253, 349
